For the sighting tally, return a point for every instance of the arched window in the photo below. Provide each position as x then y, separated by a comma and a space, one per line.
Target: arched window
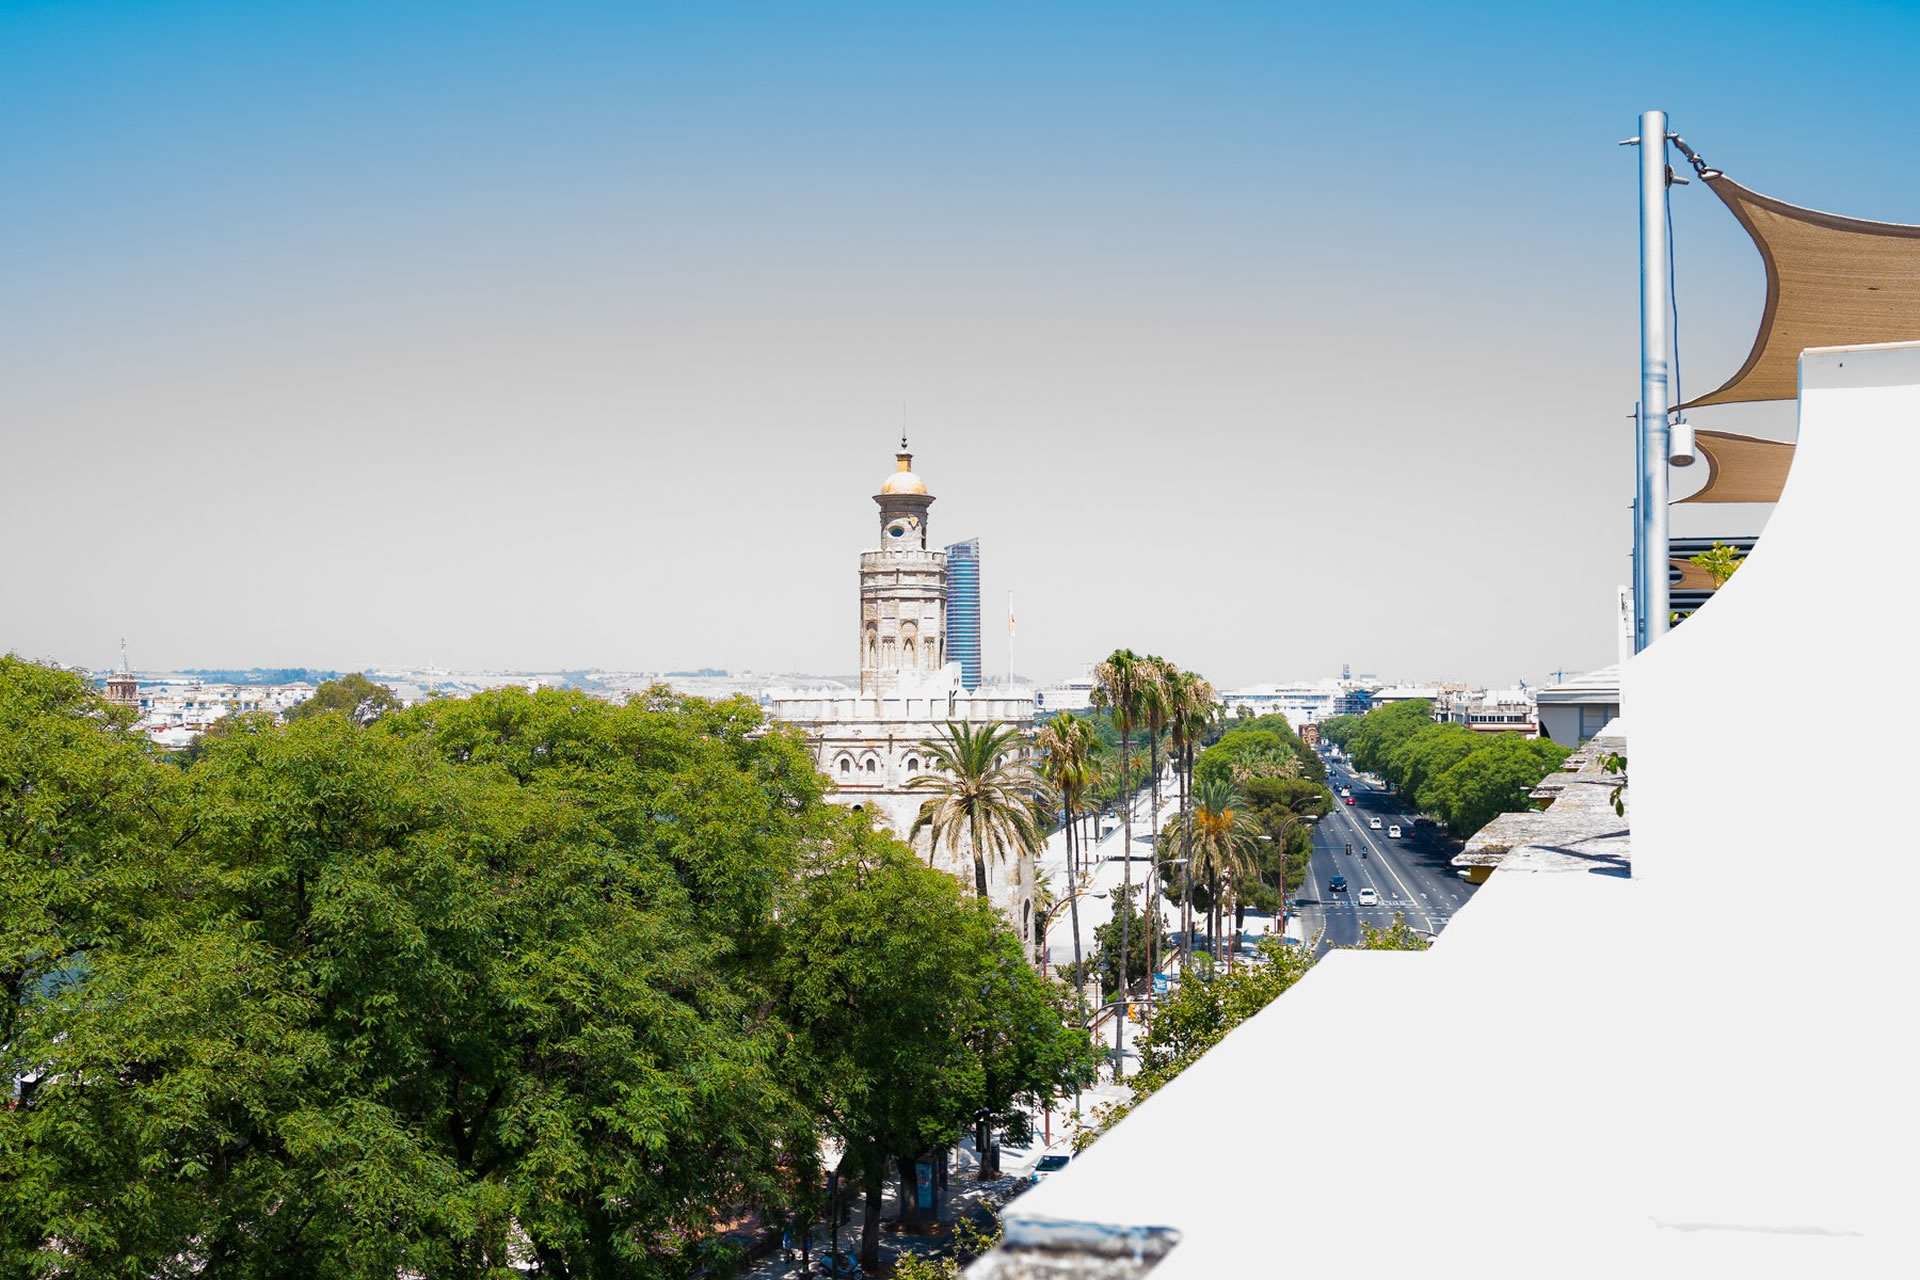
913, 764
873, 766
846, 765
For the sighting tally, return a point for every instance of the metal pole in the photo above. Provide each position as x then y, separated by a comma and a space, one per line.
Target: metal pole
1656, 304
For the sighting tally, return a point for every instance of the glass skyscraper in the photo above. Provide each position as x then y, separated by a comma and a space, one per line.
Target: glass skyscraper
963, 610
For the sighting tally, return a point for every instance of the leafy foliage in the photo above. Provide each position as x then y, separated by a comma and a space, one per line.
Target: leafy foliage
984, 795
1465, 778
1398, 936
353, 695
1198, 1015
1719, 561
517, 973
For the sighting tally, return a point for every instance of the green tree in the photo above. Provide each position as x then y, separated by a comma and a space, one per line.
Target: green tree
1719, 561
1157, 708
915, 1016
353, 695
1224, 839
397, 997
1120, 687
1066, 744
1495, 778
87, 822
1197, 1016
1125, 933
1398, 936
1193, 714
984, 796
1286, 809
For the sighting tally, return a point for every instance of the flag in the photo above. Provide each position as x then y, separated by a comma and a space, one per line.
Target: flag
1009, 615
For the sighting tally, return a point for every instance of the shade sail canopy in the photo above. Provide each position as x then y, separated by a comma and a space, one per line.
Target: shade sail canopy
1741, 468
1831, 282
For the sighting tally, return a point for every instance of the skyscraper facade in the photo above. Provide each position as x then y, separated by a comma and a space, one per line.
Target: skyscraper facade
963, 610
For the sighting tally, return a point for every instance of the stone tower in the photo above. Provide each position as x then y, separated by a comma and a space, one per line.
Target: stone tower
123, 687
903, 592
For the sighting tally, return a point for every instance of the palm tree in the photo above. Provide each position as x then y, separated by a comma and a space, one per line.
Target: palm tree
985, 793
1224, 838
1265, 762
1119, 686
1067, 744
1156, 708
1192, 712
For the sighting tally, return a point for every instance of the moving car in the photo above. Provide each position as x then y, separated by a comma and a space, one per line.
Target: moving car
1337, 885
1393, 833
1368, 898
1349, 799
1374, 823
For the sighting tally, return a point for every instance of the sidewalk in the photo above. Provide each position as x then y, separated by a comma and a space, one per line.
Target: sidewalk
965, 1198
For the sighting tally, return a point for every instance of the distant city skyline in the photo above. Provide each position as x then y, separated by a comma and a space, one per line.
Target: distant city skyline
575, 336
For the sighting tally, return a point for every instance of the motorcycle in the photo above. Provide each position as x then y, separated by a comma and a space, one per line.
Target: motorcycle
838, 1266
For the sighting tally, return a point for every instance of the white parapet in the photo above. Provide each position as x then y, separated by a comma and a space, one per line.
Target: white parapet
1698, 1069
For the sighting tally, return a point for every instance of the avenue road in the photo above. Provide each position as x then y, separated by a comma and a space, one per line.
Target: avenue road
1411, 874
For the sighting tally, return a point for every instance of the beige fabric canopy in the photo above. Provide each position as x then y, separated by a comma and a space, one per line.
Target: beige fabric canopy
1831, 282
1741, 468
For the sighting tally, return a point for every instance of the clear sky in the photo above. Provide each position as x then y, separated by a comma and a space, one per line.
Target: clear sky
555, 334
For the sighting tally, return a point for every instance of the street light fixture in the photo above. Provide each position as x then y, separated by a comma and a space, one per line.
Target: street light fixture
1046, 918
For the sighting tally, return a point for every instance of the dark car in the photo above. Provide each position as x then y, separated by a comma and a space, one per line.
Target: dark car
1337, 885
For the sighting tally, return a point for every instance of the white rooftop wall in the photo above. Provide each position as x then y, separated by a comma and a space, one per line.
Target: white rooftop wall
1702, 1070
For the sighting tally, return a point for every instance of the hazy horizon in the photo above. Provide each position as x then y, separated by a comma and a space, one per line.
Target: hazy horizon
561, 337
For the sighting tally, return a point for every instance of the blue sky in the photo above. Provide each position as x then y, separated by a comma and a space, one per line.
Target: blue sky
566, 334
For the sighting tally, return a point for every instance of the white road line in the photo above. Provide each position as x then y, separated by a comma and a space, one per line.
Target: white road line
1390, 871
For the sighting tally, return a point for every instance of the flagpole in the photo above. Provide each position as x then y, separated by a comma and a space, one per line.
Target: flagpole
1009, 637
1650, 539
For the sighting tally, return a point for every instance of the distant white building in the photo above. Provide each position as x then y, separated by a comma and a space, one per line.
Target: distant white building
1301, 704
1575, 710
1407, 693
173, 712
1069, 695
1489, 710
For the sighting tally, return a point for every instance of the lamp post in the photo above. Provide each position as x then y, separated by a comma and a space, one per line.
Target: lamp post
1088, 1021
1186, 930
1046, 919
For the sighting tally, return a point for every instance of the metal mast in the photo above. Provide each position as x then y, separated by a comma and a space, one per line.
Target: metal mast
1651, 608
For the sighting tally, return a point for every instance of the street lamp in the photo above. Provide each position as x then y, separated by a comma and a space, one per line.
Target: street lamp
1186, 909
1047, 916
1088, 1021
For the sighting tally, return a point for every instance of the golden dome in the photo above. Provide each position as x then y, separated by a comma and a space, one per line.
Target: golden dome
903, 480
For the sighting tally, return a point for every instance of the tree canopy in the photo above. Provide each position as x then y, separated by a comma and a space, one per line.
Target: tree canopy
486, 982
353, 695
1464, 778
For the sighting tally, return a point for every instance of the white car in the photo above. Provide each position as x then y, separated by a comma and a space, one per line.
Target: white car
1371, 822
1368, 898
1393, 833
